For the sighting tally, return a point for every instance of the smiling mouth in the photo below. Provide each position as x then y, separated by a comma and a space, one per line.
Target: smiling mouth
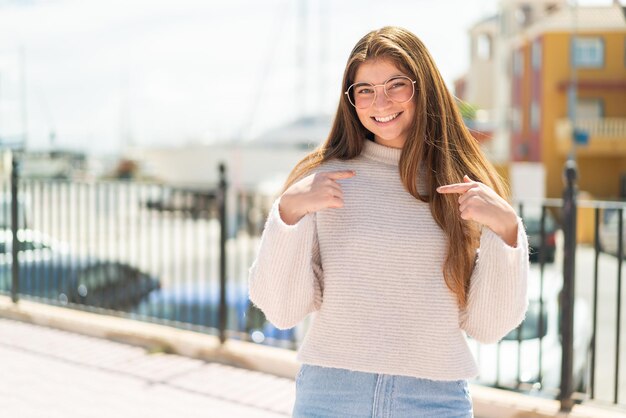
386, 119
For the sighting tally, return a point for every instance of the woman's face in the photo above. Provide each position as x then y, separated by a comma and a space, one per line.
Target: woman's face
389, 121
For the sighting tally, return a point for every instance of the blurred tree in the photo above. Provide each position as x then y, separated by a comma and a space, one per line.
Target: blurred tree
468, 111
126, 169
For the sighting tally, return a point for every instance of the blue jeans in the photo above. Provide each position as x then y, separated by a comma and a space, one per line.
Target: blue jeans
332, 392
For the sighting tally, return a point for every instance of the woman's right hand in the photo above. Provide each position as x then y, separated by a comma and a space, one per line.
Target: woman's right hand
312, 193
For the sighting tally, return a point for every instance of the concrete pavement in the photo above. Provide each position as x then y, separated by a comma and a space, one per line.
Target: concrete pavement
59, 362
46, 373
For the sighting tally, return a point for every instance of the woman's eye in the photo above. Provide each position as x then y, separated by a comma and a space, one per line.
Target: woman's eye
365, 91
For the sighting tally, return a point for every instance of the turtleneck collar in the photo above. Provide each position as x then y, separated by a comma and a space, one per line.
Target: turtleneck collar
378, 152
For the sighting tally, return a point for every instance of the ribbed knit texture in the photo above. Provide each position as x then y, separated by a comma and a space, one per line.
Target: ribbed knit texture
371, 272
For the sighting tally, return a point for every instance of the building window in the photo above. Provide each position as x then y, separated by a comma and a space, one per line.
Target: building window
516, 120
483, 46
522, 149
588, 52
590, 108
534, 116
536, 54
550, 8
518, 63
523, 15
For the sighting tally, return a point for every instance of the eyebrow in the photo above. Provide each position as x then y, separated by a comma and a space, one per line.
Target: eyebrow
389, 78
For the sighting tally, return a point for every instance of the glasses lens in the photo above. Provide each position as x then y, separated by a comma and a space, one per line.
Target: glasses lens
399, 89
361, 95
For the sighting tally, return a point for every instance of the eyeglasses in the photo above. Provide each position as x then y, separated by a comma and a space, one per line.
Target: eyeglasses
398, 89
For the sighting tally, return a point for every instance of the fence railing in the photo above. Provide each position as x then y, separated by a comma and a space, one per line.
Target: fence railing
596, 127
180, 256
153, 252
530, 358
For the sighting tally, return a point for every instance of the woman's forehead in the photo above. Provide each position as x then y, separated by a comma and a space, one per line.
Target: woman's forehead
376, 71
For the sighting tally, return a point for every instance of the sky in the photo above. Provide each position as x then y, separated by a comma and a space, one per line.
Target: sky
104, 75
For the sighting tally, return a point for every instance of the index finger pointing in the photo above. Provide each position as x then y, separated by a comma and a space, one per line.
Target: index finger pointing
344, 174
455, 188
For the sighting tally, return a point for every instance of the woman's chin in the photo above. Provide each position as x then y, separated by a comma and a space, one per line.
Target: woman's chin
394, 142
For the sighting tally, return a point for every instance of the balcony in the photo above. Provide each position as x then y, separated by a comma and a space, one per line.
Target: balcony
481, 125
607, 136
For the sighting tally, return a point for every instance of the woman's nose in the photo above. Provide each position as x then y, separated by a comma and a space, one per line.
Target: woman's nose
381, 99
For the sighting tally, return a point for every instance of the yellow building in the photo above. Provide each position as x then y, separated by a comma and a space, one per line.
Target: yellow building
572, 57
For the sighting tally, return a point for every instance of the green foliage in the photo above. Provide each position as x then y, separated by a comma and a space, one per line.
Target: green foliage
468, 111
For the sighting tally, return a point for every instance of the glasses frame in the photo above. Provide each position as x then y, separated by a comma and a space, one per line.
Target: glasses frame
347, 92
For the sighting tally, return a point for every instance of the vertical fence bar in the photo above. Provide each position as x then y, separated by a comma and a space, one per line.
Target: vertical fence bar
63, 279
185, 259
223, 230
542, 264
131, 282
15, 267
203, 282
567, 293
40, 289
236, 270
93, 226
104, 267
66, 206
130, 255
100, 218
5, 187
140, 232
193, 271
240, 255
115, 294
150, 236
75, 234
519, 330
594, 326
181, 196
29, 228
50, 278
162, 238
620, 257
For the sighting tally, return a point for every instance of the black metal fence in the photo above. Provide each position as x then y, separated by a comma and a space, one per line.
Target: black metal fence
530, 358
180, 256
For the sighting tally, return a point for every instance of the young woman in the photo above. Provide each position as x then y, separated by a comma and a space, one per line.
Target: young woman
396, 235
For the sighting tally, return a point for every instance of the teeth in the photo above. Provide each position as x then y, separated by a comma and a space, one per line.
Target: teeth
387, 118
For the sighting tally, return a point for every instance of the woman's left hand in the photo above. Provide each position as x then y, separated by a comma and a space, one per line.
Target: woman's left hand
480, 203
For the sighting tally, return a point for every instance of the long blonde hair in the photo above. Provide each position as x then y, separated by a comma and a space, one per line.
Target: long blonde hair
438, 142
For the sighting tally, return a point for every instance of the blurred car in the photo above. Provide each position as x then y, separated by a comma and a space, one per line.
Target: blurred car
23, 212
196, 203
608, 232
48, 270
499, 362
532, 222
198, 304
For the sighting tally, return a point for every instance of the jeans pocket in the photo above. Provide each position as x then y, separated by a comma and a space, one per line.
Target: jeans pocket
464, 386
300, 374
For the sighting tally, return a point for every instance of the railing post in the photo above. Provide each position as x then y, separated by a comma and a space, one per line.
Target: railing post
221, 201
15, 267
567, 292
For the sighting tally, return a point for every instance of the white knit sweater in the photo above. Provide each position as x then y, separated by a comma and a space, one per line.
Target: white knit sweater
371, 273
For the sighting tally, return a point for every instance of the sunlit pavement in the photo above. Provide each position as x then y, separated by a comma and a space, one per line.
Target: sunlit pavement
46, 373
49, 373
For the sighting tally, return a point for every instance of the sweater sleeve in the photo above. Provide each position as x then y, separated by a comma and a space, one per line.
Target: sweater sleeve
286, 279
497, 298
